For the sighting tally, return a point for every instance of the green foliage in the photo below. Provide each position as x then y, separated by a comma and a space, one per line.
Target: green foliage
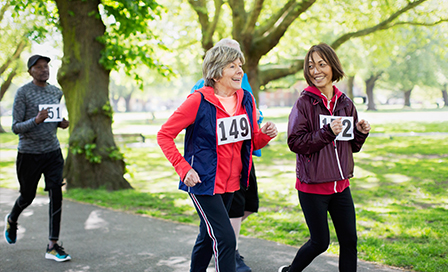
171, 206
399, 192
414, 65
398, 189
42, 18
115, 153
89, 151
92, 153
400, 195
107, 109
129, 39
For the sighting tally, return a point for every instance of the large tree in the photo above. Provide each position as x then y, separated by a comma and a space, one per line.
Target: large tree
89, 55
259, 25
91, 50
84, 81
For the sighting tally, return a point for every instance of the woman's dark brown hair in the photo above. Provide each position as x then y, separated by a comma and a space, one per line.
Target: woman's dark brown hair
329, 56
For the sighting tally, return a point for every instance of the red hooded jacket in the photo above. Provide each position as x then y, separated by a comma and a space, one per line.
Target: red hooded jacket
229, 166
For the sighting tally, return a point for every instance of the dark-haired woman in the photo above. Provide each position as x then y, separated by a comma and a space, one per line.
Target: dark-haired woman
324, 131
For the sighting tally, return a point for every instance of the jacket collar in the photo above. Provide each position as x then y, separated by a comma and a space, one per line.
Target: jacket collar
315, 90
209, 95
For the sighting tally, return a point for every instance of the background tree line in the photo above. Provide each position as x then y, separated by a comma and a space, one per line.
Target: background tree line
399, 44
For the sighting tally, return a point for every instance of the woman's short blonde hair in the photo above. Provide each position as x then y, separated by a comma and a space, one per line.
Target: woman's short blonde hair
216, 59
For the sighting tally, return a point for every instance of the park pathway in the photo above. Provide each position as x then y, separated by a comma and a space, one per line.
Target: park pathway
105, 240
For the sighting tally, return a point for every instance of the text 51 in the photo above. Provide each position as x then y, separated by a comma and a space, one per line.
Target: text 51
54, 112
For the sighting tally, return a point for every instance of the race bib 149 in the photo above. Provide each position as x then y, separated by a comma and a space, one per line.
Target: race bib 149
347, 126
54, 112
233, 129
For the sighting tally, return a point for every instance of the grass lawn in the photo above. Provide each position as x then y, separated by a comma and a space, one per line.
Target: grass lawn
400, 191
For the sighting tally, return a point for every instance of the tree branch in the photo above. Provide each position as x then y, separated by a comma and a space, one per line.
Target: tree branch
253, 16
3, 10
7, 83
279, 71
212, 26
199, 6
19, 49
421, 24
271, 37
239, 17
381, 26
273, 19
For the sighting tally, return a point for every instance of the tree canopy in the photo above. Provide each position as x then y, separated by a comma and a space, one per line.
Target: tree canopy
100, 36
260, 25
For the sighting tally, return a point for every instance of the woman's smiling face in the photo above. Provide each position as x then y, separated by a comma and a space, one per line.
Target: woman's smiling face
232, 75
321, 73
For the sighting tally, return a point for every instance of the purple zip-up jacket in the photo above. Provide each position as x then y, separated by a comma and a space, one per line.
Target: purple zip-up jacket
320, 158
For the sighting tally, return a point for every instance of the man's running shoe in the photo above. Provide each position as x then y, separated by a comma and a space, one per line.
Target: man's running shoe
10, 231
57, 253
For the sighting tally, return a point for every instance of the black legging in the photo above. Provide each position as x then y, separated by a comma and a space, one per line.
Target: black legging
54, 210
342, 212
30, 168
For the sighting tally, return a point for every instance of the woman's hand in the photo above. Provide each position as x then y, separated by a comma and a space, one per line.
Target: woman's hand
192, 178
336, 126
270, 129
363, 126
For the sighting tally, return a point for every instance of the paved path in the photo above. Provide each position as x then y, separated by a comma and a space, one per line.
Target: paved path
101, 239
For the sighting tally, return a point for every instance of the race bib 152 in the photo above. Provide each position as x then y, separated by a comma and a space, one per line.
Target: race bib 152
347, 126
233, 129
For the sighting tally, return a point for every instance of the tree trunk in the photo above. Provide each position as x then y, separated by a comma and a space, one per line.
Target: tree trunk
350, 81
2, 130
115, 104
251, 70
7, 82
445, 95
407, 98
93, 160
127, 100
370, 84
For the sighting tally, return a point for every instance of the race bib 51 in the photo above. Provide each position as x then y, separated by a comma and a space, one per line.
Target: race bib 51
54, 112
233, 129
347, 126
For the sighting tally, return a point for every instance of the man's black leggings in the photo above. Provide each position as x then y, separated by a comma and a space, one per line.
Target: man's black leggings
30, 168
342, 212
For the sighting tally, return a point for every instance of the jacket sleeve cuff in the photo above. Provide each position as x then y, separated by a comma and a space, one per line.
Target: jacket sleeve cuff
182, 169
360, 134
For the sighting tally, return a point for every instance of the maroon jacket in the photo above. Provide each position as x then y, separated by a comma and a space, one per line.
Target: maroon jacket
320, 158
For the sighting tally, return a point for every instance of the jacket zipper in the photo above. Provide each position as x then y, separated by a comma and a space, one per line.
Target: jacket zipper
337, 159
218, 107
231, 166
192, 160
